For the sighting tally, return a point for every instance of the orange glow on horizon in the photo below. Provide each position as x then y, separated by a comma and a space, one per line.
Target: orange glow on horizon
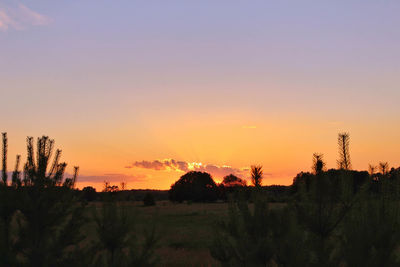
282, 145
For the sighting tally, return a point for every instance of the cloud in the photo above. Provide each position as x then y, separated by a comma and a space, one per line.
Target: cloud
155, 165
20, 17
183, 166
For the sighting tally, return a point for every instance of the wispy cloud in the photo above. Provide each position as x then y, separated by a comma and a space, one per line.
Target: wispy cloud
183, 166
20, 17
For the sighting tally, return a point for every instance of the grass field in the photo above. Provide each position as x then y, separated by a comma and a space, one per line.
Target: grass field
185, 230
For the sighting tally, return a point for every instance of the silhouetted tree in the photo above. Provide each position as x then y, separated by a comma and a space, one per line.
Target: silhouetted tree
231, 184
384, 167
194, 186
123, 186
106, 186
8, 207
344, 151
321, 210
16, 177
371, 169
232, 181
4, 170
256, 175
49, 216
110, 188
318, 163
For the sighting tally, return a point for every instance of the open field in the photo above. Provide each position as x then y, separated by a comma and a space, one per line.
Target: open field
185, 230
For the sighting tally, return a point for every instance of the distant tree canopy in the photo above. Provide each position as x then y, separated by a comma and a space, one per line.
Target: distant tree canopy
194, 186
232, 180
231, 184
355, 178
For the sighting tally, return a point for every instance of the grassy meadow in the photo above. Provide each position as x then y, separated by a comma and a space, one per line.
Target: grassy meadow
185, 230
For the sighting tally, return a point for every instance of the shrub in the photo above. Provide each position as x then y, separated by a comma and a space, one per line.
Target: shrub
118, 244
89, 193
46, 228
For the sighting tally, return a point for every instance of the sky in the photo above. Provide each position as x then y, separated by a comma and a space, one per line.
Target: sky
143, 91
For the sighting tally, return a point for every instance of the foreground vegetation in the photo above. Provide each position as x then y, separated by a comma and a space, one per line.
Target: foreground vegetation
336, 217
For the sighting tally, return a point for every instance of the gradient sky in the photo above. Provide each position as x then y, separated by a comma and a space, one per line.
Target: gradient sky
141, 91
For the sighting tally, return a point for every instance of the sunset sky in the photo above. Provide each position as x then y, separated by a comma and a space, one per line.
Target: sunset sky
143, 91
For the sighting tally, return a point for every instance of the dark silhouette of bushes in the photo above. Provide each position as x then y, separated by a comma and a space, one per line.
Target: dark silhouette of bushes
278, 193
246, 236
117, 243
42, 215
355, 178
89, 193
231, 184
371, 232
194, 186
333, 218
255, 235
45, 212
326, 223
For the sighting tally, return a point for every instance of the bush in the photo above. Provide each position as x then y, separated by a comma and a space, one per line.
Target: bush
45, 212
118, 244
259, 236
89, 193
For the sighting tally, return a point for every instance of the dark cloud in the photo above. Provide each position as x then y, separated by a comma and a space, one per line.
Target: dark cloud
171, 164
221, 171
155, 165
